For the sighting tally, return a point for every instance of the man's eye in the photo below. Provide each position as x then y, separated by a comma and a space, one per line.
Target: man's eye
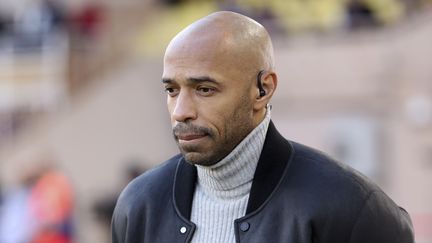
171, 91
206, 90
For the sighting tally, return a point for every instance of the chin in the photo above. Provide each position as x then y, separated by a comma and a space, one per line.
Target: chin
195, 158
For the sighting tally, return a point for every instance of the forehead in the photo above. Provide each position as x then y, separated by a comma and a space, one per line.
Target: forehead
183, 65
193, 75
200, 61
191, 65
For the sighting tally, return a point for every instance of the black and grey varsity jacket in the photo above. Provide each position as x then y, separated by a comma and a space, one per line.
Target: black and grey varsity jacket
298, 195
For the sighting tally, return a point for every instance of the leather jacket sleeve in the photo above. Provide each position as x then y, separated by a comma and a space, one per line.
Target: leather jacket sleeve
118, 224
381, 221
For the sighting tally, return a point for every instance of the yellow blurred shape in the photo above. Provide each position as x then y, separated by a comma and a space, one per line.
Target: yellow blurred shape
386, 11
299, 15
327, 13
155, 36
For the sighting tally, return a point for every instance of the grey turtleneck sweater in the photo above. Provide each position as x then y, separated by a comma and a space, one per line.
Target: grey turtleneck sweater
222, 190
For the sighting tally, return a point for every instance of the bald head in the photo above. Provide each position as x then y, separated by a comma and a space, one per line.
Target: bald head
210, 76
230, 39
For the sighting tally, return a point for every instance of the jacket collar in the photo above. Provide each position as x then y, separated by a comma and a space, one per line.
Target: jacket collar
274, 158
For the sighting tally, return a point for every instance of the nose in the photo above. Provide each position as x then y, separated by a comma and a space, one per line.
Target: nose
183, 107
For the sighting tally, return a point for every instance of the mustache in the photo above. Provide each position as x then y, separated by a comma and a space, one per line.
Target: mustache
189, 128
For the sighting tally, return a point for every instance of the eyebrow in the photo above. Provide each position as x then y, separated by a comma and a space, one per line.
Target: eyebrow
194, 80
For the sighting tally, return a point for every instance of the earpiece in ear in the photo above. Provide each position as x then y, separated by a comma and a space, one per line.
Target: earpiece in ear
262, 92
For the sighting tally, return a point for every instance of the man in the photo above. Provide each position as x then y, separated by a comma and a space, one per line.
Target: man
237, 179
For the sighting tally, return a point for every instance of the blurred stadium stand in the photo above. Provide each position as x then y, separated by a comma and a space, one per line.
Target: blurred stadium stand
355, 81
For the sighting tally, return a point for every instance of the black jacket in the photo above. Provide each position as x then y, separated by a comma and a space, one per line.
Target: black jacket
298, 195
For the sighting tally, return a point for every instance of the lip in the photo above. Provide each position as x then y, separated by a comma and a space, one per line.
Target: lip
190, 137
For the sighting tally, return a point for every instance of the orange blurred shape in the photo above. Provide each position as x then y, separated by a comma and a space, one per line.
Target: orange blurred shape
51, 238
51, 199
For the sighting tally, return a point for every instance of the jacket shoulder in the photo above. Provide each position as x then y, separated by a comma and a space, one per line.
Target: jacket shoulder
342, 194
331, 174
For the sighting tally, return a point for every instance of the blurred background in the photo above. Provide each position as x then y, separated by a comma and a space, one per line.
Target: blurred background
82, 109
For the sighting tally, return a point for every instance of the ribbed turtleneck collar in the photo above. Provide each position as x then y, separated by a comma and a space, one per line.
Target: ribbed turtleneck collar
231, 178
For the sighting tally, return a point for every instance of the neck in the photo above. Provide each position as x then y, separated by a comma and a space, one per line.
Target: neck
260, 115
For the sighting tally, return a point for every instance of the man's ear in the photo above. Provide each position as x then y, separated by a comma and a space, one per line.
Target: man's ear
267, 84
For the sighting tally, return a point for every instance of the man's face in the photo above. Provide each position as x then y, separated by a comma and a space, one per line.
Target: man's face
210, 102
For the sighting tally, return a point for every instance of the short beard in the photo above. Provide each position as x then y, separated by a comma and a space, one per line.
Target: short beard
192, 157
188, 127
231, 138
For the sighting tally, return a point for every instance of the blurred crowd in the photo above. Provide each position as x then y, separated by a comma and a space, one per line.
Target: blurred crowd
41, 206
33, 37
39, 209
31, 25
300, 15
34, 26
281, 18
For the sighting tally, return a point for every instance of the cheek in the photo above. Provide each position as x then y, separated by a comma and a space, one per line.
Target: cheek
222, 116
170, 107
211, 116
221, 112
